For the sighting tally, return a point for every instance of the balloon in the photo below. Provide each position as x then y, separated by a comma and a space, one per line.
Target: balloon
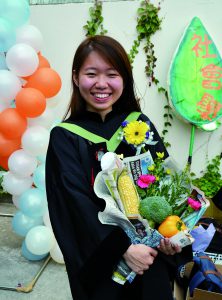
9, 85
35, 140
7, 147
43, 62
17, 12
46, 80
22, 163
33, 203
30, 102
30, 256
4, 162
56, 254
21, 224
12, 124
41, 159
46, 119
30, 35
39, 177
3, 65
52, 102
22, 60
40, 240
16, 185
7, 35
15, 200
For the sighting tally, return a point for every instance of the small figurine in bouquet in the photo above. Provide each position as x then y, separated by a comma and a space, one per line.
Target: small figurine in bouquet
99, 233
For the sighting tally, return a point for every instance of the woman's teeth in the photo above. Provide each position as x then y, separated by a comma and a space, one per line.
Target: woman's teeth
101, 96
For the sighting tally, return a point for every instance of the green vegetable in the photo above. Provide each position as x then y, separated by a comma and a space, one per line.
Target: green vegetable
155, 208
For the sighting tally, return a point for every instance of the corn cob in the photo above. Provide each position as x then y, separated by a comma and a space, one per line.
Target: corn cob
128, 195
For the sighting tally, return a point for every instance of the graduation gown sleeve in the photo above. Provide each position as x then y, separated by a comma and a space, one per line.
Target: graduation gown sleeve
89, 247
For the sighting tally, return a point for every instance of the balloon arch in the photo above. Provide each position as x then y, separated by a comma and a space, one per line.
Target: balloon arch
27, 82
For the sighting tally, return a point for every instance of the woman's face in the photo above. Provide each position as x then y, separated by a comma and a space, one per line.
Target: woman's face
99, 84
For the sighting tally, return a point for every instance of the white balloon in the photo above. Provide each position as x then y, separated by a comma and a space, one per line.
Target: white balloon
56, 254
30, 35
53, 102
16, 185
35, 140
22, 163
10, 85
15, 200
46, 119
22, 59
40, 240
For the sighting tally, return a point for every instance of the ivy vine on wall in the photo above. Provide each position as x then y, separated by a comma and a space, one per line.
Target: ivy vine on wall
95, 24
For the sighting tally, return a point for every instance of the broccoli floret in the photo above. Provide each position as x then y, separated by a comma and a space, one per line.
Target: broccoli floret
155, 208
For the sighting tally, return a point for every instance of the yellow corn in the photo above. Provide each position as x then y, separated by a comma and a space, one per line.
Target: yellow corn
128, 195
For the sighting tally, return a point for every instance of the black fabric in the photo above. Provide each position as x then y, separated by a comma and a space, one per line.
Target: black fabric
90, 249
217, 199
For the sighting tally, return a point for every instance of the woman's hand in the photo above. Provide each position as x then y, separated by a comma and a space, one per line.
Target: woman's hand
139, 257
167, 248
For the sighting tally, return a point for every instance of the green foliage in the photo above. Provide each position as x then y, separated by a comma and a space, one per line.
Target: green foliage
173, 186
211, 180
94, 25
148, 22
155, 208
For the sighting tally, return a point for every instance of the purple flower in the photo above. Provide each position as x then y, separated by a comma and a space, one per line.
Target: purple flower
124, 123
147, 135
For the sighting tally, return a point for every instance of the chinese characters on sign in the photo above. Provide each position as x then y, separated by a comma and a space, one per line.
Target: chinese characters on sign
208, 106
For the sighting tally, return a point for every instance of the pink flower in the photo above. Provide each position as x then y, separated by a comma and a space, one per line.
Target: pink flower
196, 205
145, 180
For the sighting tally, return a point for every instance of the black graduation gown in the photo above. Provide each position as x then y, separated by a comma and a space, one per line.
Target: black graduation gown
91, 250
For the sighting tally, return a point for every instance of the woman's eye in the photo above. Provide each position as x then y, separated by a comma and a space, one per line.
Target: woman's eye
91, 74
112, 75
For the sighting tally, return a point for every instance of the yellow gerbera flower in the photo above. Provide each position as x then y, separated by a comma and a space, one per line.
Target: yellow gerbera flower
135, 132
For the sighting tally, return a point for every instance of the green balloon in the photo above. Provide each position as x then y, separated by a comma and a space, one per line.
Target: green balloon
195, 77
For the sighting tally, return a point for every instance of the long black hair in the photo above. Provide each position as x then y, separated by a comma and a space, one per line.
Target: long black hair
114, 53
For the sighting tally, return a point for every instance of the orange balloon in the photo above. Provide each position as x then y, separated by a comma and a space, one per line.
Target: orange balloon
12, 124
46, 80
43, 62
7, 147
4, 162
30, 102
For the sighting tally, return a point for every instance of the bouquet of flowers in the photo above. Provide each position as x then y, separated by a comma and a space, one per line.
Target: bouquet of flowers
148, 199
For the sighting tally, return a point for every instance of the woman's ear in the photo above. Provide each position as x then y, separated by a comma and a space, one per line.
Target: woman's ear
75, 78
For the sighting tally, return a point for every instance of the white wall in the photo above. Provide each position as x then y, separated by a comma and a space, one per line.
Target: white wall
62, 29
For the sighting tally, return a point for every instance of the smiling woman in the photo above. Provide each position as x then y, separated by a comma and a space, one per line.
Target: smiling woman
103, 99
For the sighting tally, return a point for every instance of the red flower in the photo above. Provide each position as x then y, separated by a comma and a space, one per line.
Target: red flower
145, 180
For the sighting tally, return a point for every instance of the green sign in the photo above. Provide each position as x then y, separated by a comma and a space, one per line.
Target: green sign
195, 77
